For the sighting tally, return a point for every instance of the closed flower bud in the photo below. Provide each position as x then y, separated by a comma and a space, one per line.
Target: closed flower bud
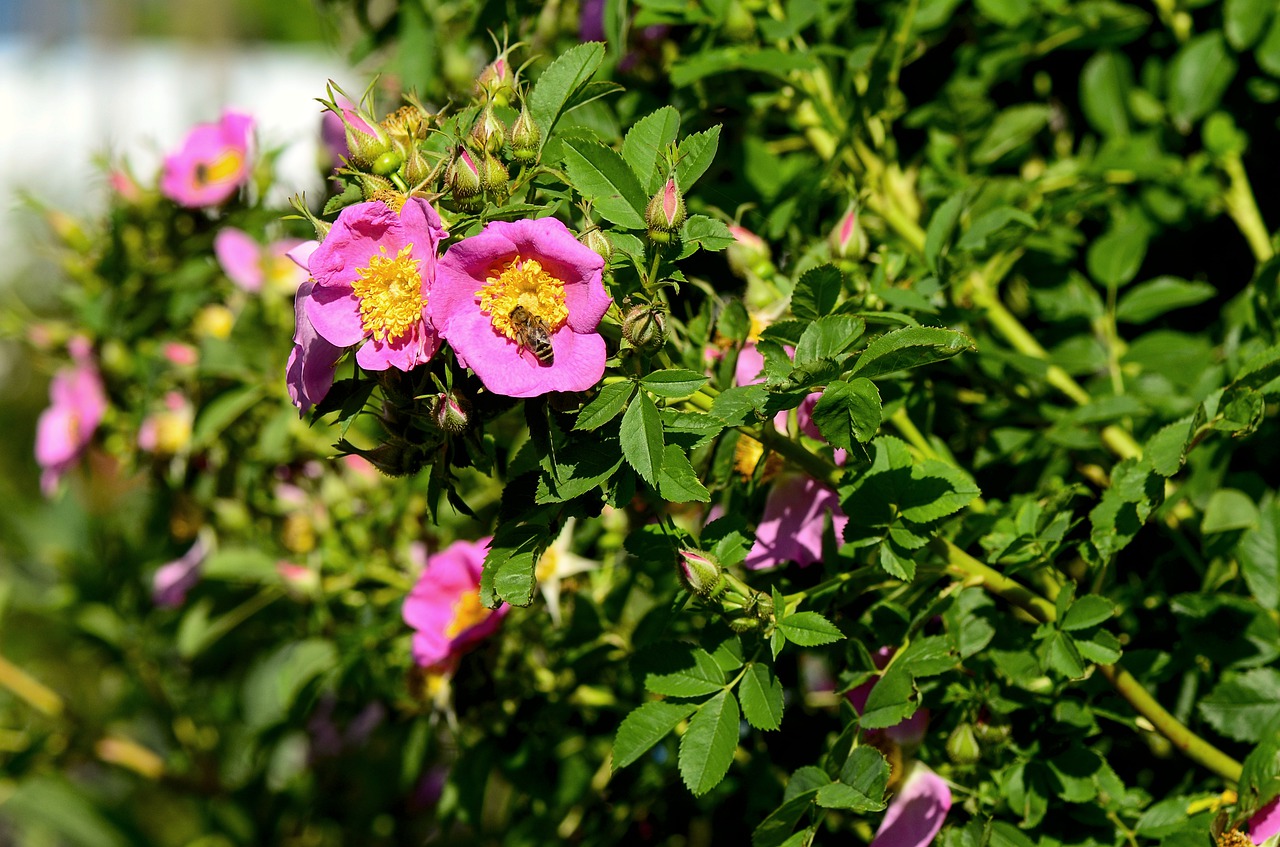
496, 82
701, 573
416, 167
665, 212
451, 413
645, 327
847, 240
962, 745
525, 138
597, 241
747, 254
493, 176
464, 177
488, 132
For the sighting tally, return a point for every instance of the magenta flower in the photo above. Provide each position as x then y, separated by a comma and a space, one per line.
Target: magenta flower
916, 813
1265, 823
170, 584
77, 404
444, 607
248, 264
796, 508
372, 276
920, 806
520, 303
212, 163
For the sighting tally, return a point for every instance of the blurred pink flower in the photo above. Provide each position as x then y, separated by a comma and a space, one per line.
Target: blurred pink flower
536, 266
1265, 822
168, 431
796, 508
444, 607
211, 164
373, 274
170, 584
248, 264
77, 405
182, 355
916, 813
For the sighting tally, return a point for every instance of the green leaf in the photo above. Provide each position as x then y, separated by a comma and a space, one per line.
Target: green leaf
571, 71
768, 61
645, 727
221, 413
1105, 84
508, 574
1259, 556
990, 224
837, 795
1012, 128
1241, 708
1267, 54
1167, 448
1153, 298
761, 694
1227, 510
803, 786
276, 680
707, 749
891, 701
910, 347
809, 629
605, 407
740, 404
937, 489
678, 482
641, 438
602, 177
646, 144
1198, 76
240, 563
1134, 493
1244, 21
941, 227
1089, 610
828, 337
848, 412
674, 383
679, 670
863, 778
696, 154
700, 231
583, 468
55, 811
1114, 258
816, 292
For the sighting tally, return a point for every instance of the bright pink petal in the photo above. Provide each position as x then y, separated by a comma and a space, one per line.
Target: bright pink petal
335, 313
749, 367
505, 369
462, 271
301, 255
405, 353
793, 523
240, 257
1265, 822
309, 371
916, 812
431, 607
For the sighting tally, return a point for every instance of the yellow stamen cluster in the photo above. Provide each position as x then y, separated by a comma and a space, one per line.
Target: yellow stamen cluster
523, 284
393, 200
747, 454
467, 612
1233, 838
390, 294
221, 169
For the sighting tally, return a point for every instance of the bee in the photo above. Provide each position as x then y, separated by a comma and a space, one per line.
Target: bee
532, 334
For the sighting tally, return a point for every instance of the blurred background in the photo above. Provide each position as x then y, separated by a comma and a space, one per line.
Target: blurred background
89, 82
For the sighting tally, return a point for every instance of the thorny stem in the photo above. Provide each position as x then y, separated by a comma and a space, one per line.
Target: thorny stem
1126, 685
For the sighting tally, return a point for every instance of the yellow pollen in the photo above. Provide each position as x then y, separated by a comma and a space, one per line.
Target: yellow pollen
467, 612
390, 294
523, 284
221, 169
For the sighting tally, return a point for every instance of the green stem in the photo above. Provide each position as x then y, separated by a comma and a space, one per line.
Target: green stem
795, 453
1243, 209
1126, 685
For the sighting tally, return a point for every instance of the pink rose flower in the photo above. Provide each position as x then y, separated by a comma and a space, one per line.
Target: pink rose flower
212, 163
444, 607
77, 405
918, 809
520, 303
309, 371
916, 813
248, 264
1265, 823
170, 584
796, 508
373, 274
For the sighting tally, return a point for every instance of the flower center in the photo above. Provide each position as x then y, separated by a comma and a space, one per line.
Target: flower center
390, 294
221, 169
523, 284
467, 612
